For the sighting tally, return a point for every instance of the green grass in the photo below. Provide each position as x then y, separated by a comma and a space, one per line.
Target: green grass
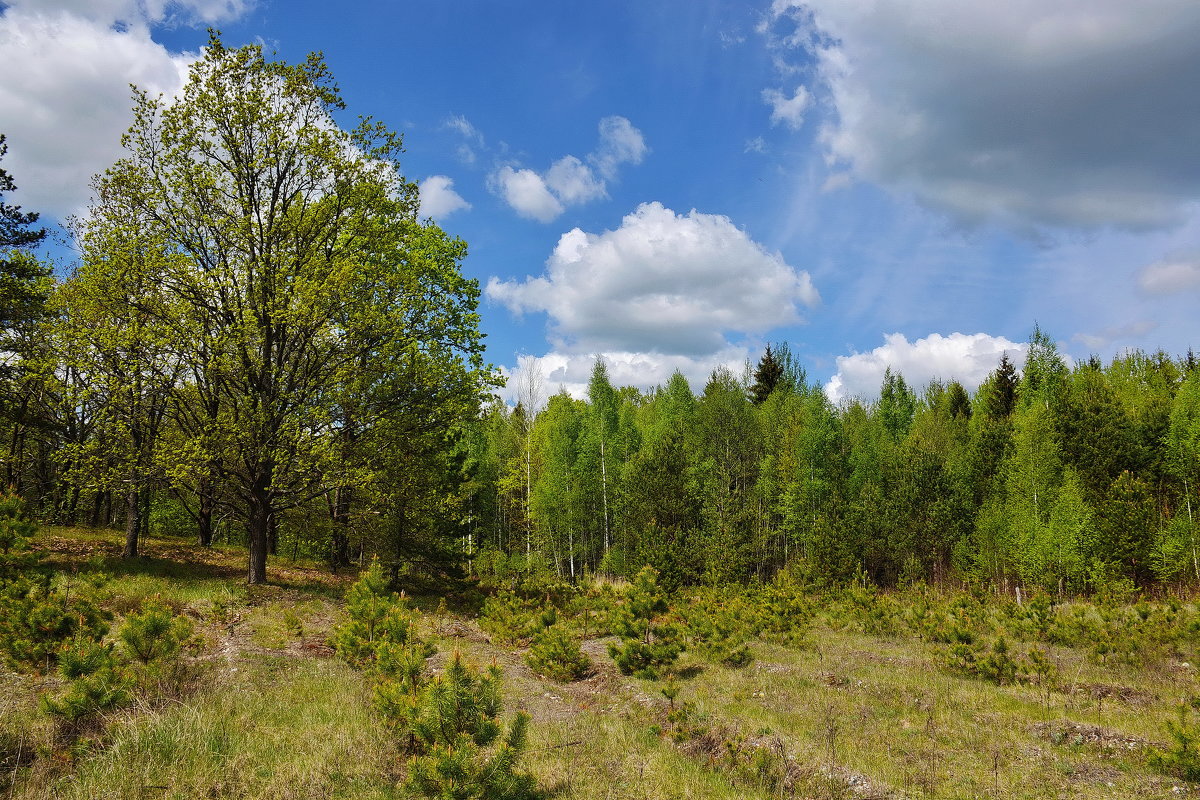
847, 715
276, 728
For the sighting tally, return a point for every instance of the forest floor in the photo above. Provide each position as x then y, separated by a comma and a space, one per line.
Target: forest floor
274, 714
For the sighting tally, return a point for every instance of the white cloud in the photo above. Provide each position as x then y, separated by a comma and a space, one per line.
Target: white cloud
1171, 276
141, 12
573, 183
966, 358
1076, 113
572, 371
438, 198
788, 110
526, 192
472, 137
570, 181
620, 143
65, 98
663, 283
756, 145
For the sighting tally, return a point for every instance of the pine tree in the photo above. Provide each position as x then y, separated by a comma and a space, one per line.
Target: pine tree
457, 740
649, 642
17, 555
23, 279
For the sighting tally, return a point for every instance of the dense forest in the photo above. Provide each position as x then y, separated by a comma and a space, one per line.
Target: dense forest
1058, 477
262, 343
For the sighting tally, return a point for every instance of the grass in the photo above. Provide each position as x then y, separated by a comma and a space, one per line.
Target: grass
846, 715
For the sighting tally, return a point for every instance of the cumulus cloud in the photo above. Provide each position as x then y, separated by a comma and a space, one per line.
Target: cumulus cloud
788, 110
1171, 276
1076, 113
569, 181
65, 99
438, 198
559, 370
526, 192
966, 358
662, 282
572, 182
620, 143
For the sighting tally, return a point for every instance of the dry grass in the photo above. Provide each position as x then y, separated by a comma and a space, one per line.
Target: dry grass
847, 716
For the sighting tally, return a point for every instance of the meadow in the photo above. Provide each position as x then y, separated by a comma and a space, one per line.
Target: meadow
776, 690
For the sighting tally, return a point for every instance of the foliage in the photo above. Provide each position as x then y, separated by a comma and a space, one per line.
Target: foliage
321, 346
650, 639
510, 618
38, 619
17, 556
1182, 756
555, 653
460, 747
379, 627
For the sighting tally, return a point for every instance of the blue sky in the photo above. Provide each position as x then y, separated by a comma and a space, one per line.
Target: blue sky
905, 183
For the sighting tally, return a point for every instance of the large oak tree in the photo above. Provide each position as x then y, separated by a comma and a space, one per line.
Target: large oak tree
314, 302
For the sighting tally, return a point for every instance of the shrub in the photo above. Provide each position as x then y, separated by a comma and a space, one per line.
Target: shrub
17, 556
38, 620
96, 682
649, 640
376, 617
1182, 757
718, 630
509, 618
556, 654
456, 739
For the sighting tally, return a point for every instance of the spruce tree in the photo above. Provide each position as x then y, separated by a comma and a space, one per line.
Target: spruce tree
767, 375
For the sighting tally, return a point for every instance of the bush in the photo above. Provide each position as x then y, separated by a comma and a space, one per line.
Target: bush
556, 654
718, 630
456, 739
650, 641
509, 618
38, 620
17, 556
377, 618
1182, 757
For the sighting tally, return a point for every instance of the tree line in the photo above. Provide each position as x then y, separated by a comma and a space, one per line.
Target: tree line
1061, 477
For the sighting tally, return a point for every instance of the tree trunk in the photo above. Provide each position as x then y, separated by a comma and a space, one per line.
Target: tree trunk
97, 505
339, 551
259, 522
133, 522
204, 516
